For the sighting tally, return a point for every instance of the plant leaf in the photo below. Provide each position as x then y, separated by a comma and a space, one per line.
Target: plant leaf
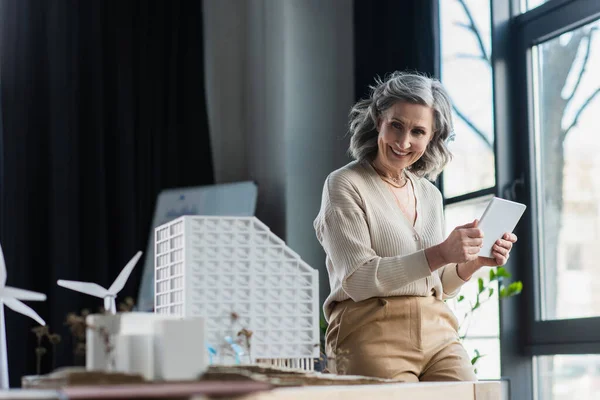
503, 292
481, 286
460, 298
503, 273
477, 357
490, 291
515, 288
493, 275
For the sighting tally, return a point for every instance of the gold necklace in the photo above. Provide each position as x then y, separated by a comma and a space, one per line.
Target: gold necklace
391, 180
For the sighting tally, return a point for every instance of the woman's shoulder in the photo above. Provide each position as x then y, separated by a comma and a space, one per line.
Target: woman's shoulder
350, 174
346, 185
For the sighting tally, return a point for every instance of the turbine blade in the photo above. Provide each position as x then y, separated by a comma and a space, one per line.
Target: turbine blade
92, 289
22, 308
22, 294
2, 269
119, 283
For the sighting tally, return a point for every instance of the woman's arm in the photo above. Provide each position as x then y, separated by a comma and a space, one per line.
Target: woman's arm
466, 242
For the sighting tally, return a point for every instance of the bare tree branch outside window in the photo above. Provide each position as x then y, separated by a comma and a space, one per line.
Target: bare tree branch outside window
560, 58
472, 27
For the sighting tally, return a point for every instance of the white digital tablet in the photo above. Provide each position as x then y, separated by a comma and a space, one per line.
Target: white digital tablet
499, 217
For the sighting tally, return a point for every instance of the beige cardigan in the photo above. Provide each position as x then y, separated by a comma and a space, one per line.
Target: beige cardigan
372, 250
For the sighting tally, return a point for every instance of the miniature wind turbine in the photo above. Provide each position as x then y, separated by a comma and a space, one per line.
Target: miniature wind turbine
11, 297
109, 295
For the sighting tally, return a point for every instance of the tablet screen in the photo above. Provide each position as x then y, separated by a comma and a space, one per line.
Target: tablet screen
499, 217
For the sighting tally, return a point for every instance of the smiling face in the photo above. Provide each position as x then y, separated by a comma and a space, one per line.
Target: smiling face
405, 130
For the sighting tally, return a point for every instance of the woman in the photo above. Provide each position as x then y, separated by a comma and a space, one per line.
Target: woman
381, 225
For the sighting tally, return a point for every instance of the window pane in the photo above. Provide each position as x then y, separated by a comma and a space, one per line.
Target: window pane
480, 327
484, 321
566, 105
488, 366
527, 5
466, 72
464, 212
567, 377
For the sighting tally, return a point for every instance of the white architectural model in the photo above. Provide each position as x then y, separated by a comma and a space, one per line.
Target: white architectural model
11, 297
109, 295
215, 266
158, 347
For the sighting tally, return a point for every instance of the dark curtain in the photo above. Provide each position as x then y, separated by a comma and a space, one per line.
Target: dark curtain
391, 35
102, 106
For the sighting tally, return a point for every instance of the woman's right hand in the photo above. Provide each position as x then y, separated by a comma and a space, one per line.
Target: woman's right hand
462, 245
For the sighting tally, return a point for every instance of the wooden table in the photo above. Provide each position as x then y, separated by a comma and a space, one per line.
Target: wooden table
401, 391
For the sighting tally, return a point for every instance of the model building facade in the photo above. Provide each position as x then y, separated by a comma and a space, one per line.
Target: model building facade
236, 273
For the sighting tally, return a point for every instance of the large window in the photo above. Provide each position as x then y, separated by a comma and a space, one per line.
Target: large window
470, 179
565, 87
465, 46
525, 125
566, 108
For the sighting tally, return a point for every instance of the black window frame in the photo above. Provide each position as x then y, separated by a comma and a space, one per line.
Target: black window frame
523, 334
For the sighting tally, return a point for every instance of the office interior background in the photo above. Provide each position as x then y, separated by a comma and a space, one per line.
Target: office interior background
103, 104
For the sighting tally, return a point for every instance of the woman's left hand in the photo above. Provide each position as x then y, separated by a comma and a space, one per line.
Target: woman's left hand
500, 251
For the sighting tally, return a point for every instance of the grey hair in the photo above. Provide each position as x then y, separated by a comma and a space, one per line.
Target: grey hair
413, 88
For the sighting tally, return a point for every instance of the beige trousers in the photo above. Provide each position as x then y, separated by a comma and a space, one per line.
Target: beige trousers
407, 338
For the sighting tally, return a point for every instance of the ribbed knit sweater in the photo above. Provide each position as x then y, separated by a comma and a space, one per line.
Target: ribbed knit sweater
372, 249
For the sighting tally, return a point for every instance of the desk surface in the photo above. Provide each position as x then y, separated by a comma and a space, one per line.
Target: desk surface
400, 391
